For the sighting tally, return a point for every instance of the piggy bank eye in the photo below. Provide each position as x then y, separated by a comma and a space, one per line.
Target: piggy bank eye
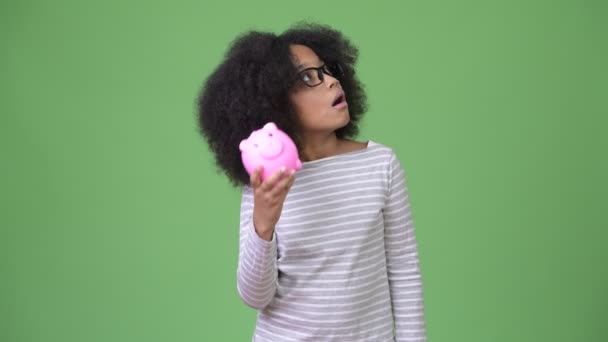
269, 134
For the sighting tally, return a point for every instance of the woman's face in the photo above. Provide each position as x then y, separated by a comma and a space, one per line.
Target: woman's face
321, 108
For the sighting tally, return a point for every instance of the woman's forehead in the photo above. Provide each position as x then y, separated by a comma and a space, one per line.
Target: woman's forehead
304, 57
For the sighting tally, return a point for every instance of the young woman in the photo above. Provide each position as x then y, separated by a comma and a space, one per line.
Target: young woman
328, 253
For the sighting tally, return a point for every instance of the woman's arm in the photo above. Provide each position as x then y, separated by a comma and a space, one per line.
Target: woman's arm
405, 280
257, 272
261, 206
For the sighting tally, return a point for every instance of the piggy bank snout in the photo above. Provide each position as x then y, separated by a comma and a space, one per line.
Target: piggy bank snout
266, 148
271, 149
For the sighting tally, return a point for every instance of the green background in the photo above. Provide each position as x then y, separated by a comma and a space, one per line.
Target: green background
115, 225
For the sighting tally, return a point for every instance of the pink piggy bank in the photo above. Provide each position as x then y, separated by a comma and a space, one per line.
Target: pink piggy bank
271, 148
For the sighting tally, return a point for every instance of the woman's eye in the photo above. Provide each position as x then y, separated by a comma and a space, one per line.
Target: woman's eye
306, 77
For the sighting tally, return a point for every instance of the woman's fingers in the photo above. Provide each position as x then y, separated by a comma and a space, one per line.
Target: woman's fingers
283, 186
256, 177
269, 183
277, 185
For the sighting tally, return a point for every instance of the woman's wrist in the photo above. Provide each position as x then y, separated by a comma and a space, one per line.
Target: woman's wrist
266, 235
264, 232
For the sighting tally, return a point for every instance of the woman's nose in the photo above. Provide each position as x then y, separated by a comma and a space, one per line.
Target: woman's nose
331, 81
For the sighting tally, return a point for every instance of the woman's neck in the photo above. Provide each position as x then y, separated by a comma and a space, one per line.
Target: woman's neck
318, 147
313, 148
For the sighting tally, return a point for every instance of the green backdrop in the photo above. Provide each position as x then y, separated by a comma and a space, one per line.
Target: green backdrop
115, 225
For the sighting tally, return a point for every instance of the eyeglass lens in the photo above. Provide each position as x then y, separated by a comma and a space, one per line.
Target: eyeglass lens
313, 78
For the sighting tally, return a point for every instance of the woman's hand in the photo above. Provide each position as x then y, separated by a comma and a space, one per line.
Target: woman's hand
268, 198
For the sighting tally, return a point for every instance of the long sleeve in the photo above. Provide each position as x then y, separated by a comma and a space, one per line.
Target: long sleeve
405, 280
257, 270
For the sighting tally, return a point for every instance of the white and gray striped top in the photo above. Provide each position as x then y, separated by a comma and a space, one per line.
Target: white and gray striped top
343, 262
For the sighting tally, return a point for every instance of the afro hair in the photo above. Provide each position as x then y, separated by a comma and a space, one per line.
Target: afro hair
251, 87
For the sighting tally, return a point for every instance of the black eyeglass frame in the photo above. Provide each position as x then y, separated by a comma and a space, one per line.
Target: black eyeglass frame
332, 69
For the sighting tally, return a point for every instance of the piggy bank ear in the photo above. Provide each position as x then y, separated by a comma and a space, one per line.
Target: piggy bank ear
270, 126
244, 145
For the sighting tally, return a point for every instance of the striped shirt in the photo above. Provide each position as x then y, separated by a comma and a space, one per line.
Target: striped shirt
343, 262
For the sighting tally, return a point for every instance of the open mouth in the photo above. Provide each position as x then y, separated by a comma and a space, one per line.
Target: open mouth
340, 101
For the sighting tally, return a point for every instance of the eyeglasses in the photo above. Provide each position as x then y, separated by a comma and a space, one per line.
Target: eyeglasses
312, 77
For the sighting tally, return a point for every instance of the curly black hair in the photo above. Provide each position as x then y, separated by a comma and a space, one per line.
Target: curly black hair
252, 84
